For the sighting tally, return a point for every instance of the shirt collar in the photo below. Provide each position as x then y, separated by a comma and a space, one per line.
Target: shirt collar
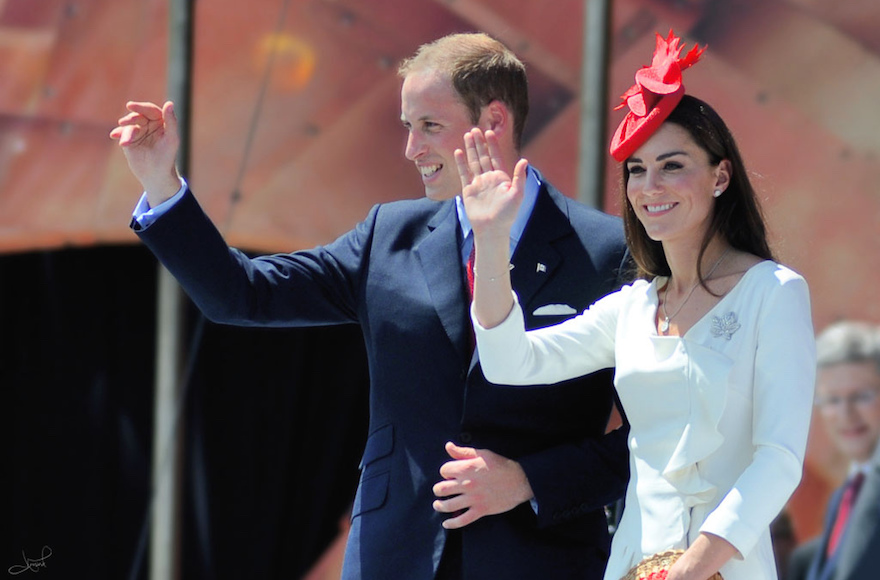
856, 467
530, 196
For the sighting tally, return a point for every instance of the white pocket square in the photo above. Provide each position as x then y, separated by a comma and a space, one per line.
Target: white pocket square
554, 310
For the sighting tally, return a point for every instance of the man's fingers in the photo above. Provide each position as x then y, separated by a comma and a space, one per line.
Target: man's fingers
446, 488
131, 119
126, 135
149, 110
466, 518
451, 470
451, 504
170, 117
457, 452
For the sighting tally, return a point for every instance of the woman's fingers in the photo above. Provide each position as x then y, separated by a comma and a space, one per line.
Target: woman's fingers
482, 151
464, 173
473, 154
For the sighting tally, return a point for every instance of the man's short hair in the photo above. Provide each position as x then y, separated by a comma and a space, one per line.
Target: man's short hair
848, 342
481, 70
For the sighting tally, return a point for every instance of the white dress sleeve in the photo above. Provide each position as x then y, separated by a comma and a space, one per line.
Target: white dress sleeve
581, 345
784, 377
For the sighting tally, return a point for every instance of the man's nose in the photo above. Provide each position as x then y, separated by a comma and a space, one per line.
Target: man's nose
414, 146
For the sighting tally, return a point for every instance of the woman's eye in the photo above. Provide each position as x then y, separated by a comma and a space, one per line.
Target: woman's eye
672, 166
635, 170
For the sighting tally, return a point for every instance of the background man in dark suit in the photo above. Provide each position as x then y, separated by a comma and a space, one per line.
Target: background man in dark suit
528, 470
848, 397
801, 559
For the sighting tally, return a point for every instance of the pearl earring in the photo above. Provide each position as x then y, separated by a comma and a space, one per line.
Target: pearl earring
717, 193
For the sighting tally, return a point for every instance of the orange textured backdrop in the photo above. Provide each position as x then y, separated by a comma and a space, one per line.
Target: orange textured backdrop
797, 80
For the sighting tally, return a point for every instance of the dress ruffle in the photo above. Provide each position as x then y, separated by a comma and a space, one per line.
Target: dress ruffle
679, 425
700, 435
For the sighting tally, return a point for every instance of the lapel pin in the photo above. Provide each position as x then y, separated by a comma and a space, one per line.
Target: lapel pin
540, 268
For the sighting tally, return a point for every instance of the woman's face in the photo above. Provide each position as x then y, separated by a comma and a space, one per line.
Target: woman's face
671, 185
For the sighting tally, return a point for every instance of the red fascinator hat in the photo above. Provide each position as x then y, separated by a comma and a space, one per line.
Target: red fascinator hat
657, 91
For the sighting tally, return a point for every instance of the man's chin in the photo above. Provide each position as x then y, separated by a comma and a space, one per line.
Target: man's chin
439, 194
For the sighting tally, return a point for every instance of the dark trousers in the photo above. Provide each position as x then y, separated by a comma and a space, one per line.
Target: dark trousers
450, 561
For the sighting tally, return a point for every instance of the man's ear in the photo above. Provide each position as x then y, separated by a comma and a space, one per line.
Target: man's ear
496, 116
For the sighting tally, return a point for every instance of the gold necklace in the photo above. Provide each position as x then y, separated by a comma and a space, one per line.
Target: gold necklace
664, 325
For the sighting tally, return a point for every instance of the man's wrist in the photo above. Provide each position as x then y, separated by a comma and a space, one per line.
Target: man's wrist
163, 190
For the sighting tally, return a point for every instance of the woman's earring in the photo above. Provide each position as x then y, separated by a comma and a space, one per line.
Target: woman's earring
717, 193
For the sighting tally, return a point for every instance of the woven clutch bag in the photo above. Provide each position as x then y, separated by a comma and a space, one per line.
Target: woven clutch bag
656, 567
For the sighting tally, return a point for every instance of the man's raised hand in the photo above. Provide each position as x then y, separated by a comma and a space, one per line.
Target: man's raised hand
149, 137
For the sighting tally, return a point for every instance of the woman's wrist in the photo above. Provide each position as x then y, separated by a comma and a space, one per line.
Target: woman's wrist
506, 270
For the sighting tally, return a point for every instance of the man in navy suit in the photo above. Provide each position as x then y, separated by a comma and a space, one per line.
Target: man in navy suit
848, 398
525, 472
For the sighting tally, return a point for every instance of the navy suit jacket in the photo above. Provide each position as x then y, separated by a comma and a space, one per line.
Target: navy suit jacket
398, 274
857, 556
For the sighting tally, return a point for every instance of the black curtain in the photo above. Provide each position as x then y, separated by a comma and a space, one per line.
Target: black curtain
274, 423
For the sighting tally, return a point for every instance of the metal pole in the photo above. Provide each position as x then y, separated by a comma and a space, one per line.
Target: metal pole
593, 113
165, 529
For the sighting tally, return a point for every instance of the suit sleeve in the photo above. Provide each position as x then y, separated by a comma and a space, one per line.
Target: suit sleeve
306, 288
571, 480
584, 475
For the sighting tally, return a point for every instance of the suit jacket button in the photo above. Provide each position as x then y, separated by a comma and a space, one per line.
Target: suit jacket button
466, 437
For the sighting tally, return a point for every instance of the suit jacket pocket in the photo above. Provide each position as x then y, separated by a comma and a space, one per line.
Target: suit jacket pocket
371, 493
380, 443
375, 471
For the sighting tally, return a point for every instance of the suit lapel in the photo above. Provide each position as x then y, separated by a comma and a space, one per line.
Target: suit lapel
535, 258
440, 260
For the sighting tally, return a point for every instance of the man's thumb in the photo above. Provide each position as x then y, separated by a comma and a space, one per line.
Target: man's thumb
168, 115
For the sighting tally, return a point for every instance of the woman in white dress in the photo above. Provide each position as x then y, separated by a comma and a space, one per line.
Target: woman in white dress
713, 343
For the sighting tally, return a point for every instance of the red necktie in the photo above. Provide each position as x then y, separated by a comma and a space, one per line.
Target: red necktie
470, 272
470, 282
843, 511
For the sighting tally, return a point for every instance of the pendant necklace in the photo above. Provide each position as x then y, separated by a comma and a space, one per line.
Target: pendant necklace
664, 324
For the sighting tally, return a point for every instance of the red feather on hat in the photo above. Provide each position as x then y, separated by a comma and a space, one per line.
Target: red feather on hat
657, 91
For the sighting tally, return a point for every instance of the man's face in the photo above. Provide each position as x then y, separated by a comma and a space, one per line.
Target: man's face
436, 121
848, 397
